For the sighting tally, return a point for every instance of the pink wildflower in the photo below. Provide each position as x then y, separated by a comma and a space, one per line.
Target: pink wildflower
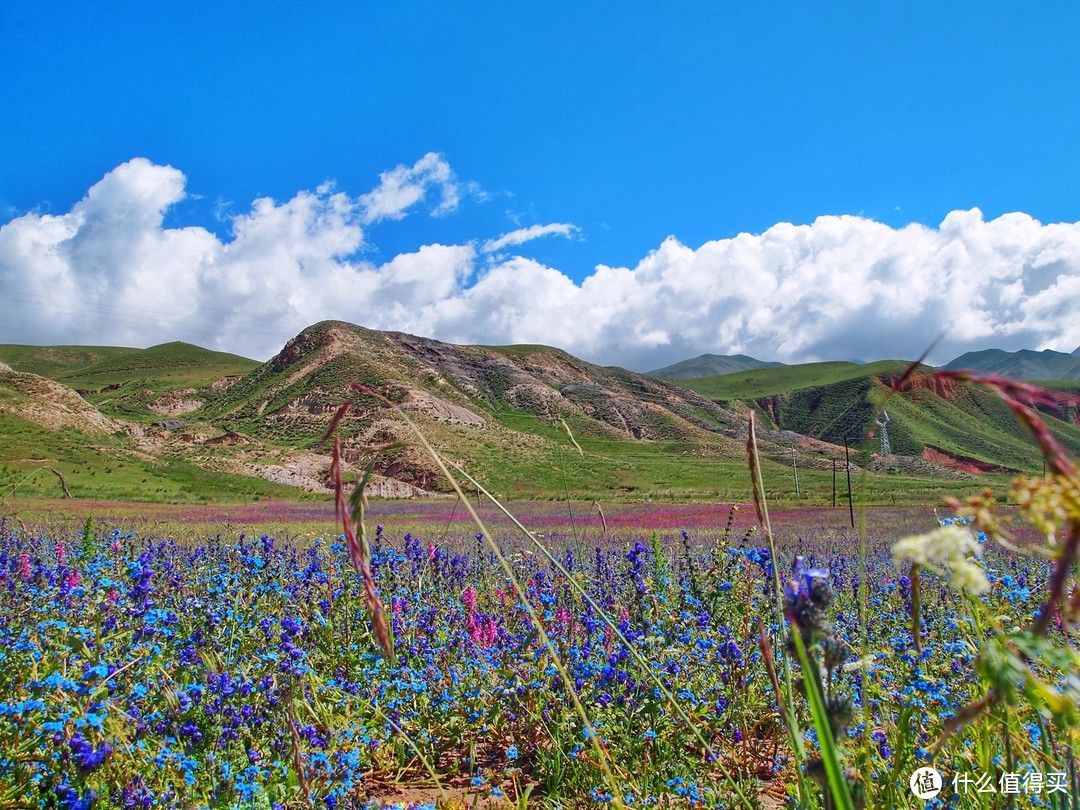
24, 565
72, 579
490, 632
468, 598
563, 616
474, 629
61, 552
482, 630
430, 551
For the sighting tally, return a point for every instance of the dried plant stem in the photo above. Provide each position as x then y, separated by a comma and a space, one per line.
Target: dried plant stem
599, 511
758, 486
360, 555
647, 670
965, 716
1055, 597
783, 696
916, 617
770, 667
298, 759
572, 439
603, 759
63, 482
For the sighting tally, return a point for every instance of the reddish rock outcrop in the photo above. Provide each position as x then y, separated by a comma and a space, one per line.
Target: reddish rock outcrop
965, 464
942, 386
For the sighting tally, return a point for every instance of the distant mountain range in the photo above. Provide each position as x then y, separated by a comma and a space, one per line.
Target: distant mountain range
1020, 365
710, 365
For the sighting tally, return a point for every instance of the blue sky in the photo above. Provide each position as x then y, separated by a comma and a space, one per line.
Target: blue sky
624, 124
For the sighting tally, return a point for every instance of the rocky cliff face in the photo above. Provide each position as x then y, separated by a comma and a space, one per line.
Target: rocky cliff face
52, 405
466, 385
477, 400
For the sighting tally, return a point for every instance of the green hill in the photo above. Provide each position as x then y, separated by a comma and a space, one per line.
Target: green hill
172, 364
57, 361
110, 469
765, 382
710, 365
498, 410
1021, 365
960, 426
967, 422
168, 365
177, 422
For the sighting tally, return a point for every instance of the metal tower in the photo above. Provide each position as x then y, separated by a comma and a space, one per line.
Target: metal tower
882, 421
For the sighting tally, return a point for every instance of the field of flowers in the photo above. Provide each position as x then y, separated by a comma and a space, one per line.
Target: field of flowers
790, 661
241, 671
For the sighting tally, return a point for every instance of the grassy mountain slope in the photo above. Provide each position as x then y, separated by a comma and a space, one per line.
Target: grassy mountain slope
528, 421
140, 385
173, 364
468, 385
497, 410
56, 361
769, 381
1021, 365
110, 470
960, 426
967, 422
46, 426
710, 365
169, 364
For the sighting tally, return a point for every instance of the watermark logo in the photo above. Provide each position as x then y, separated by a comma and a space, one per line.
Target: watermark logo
926, 783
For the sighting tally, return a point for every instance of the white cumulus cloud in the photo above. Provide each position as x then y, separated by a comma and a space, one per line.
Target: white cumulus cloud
404, 186
523, 235
109, 272
842, 287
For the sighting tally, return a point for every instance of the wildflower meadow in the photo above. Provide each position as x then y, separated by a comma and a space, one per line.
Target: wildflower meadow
762, 661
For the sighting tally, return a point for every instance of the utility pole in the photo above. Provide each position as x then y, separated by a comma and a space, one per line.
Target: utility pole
795, 471
834, 483
847, 463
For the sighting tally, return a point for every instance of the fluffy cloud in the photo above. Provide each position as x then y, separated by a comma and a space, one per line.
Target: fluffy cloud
523, 235
401, 188
848, 287
108, 271
840, 288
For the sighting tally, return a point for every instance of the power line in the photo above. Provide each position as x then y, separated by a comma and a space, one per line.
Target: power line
189, 324
135, 317
139, 315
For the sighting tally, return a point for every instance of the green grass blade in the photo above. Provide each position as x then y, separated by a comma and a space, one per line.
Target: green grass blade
830, 751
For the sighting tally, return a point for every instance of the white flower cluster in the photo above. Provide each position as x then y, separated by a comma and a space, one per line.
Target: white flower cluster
947, 551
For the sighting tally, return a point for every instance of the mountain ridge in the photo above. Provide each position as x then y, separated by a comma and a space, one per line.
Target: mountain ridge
1024, 364
528, 420
710, 365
